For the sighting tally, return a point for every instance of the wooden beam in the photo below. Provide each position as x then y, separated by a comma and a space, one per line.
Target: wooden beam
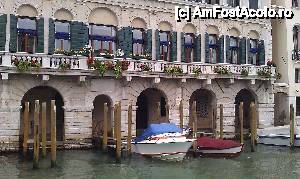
118, 131
36, 143
129, 135
181, 114
26, 129
105, 127
241, 117
44, 129
221, 121
252, 117
195, 127
292, 126
53, 133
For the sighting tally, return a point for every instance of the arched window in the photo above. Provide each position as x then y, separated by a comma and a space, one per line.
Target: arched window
27, 29
296, 38
253, 48
102, 30
62, 29
233, 50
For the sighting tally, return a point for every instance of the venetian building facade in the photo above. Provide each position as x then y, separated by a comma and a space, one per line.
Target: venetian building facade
286, 56
219, 62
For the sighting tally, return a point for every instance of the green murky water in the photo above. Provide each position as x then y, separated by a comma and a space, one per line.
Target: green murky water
267, 162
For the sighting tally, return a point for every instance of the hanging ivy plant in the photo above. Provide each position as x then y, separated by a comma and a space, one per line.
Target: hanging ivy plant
118, 69
101, 67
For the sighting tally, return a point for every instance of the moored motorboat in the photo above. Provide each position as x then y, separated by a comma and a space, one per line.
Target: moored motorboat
279, 136
163, 141
209, 147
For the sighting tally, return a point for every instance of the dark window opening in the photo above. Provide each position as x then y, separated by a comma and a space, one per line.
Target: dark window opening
212, 2
163, 110
189, 46
213, 48
165, 45
103, 38
27, 34
138, 41
253, 53
233, 50
297, 106
62, 35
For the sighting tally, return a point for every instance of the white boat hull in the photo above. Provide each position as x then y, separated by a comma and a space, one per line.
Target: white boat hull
279, 136
278, 140
165, 151
223, 151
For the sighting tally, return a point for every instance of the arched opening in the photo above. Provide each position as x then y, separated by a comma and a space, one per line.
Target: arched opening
63, 14
43, 94
233, 47
234, 32
27, 10
253, 34
205, 103
189, 43
165, 26
138, 23
189, 29
246, 97
212, 30
147, 109
98, 117
103, 16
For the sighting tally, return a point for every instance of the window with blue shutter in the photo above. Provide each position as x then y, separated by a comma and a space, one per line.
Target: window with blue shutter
62, 36
165, 45
261, 53
221, 49
40, 36
148, 42
242, 51
27, 34
102, 38
13, 33
174, 46
51, 40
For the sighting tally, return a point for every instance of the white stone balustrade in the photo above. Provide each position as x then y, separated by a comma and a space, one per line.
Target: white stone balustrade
80, 63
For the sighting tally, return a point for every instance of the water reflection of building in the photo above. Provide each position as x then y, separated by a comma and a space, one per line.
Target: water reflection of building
221, 61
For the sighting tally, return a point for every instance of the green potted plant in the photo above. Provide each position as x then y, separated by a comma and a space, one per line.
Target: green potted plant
244, 72
173, 70
197, 71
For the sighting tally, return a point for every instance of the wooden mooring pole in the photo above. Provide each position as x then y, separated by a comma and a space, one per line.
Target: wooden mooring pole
44, 129
181, 114
167, 112
118, 131
214, 122
26, 129
221, 121
53, 133
105, 130
36, 143
241, 117
292, 126
129, 135
252, 126
195, 128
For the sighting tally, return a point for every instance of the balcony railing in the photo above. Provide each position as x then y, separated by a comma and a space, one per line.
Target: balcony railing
191, 70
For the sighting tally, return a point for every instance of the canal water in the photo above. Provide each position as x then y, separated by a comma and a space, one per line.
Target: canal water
268, 162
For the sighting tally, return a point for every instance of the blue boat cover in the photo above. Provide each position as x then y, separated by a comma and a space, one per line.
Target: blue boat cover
155, 129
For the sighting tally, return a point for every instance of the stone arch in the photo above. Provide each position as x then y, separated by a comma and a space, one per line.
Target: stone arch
148, 111
98, 116
234, 32
27, 10
246, 96
103, 16
189, 28
43, 94
212, 29
253, 34
165, 26
138, 23
205, 103
63, 14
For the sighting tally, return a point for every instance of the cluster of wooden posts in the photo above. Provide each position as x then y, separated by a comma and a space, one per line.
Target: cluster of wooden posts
36, 138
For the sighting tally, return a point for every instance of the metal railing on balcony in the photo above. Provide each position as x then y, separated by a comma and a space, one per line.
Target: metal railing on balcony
141, 66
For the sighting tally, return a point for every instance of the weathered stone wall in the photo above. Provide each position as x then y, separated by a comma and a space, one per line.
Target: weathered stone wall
79, 96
